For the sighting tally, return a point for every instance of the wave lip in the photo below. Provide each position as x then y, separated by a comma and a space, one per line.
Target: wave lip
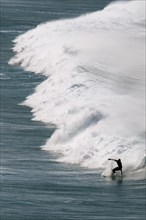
94, 91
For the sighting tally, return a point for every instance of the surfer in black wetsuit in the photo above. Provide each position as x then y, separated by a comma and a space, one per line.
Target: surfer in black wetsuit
119, 166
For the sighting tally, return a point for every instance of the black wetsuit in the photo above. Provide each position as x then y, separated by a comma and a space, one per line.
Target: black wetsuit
119, 166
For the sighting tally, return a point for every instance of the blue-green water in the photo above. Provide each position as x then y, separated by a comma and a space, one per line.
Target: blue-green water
33, 184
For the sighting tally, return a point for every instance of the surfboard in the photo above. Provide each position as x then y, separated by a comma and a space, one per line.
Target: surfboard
114, 176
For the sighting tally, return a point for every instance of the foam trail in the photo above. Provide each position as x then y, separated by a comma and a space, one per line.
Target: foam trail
94, 91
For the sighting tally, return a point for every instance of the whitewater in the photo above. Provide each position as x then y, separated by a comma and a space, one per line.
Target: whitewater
94, 89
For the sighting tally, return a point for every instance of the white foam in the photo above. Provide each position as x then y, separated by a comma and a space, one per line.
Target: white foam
94, 91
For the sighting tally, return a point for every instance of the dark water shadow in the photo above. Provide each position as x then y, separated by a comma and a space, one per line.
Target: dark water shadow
117, 179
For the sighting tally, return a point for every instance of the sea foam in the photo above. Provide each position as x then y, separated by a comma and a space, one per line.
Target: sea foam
94, 90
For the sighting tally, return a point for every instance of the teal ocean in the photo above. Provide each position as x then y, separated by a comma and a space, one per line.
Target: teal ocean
59, 96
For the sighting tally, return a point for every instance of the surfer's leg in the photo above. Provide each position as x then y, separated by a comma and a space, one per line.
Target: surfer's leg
115, 169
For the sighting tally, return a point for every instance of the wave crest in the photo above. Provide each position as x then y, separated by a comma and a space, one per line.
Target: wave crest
94, 91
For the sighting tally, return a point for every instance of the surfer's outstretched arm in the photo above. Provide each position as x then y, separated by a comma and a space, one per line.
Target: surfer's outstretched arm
112, 159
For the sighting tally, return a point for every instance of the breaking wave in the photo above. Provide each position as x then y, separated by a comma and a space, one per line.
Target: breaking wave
94, 90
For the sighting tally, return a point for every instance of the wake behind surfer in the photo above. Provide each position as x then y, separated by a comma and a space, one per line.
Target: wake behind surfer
119, 166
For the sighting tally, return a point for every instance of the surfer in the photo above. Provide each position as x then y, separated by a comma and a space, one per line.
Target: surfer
119, 166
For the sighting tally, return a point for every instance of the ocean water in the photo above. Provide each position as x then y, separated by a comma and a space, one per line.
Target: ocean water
72, 95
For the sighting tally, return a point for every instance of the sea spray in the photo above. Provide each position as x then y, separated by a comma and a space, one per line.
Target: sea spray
94, 91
